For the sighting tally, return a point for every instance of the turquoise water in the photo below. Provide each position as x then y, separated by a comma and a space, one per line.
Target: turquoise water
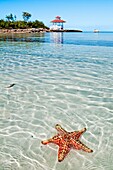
59, 78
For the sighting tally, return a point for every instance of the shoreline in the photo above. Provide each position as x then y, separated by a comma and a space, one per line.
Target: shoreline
35, 30
27, 30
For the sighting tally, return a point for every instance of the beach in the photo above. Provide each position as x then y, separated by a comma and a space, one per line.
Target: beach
56, 78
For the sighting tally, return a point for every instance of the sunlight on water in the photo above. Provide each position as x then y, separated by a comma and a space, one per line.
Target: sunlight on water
55, 83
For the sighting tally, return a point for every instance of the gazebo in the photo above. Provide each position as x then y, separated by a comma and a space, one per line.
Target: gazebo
57, 23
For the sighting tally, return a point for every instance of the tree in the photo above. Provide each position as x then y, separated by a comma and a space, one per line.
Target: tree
2, 23
9, 17
12, 22
14, 17
26, 16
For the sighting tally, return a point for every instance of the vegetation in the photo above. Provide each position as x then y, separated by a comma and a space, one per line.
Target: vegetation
11, 17
12, 23
26, 16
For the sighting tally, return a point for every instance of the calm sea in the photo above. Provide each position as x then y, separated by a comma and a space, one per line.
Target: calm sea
64, 78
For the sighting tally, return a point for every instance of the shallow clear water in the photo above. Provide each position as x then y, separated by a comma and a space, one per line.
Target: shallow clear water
59, 78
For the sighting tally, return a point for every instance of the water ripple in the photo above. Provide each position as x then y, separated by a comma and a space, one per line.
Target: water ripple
69, 85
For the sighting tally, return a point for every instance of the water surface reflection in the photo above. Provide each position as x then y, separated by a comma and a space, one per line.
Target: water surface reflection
54, 37
38, 37
57, 37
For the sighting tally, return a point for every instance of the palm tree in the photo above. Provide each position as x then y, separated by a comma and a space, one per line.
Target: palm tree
9, 17
14, 17
26, 16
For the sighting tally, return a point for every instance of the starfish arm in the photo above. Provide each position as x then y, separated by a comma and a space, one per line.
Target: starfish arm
45, 142
86, 149
56, 140
77, 134
63, 151
60, 129
80, 146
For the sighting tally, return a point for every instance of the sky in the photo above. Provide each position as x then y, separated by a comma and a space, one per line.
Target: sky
85, 15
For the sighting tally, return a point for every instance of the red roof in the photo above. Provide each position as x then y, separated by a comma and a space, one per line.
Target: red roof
58, 20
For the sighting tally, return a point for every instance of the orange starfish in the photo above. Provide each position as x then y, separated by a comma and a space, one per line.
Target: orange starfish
67, 140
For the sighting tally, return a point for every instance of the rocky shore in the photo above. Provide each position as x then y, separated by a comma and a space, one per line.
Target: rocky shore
29, 30
35, 30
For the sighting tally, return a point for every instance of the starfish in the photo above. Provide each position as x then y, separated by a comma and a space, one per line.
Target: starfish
67, 140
